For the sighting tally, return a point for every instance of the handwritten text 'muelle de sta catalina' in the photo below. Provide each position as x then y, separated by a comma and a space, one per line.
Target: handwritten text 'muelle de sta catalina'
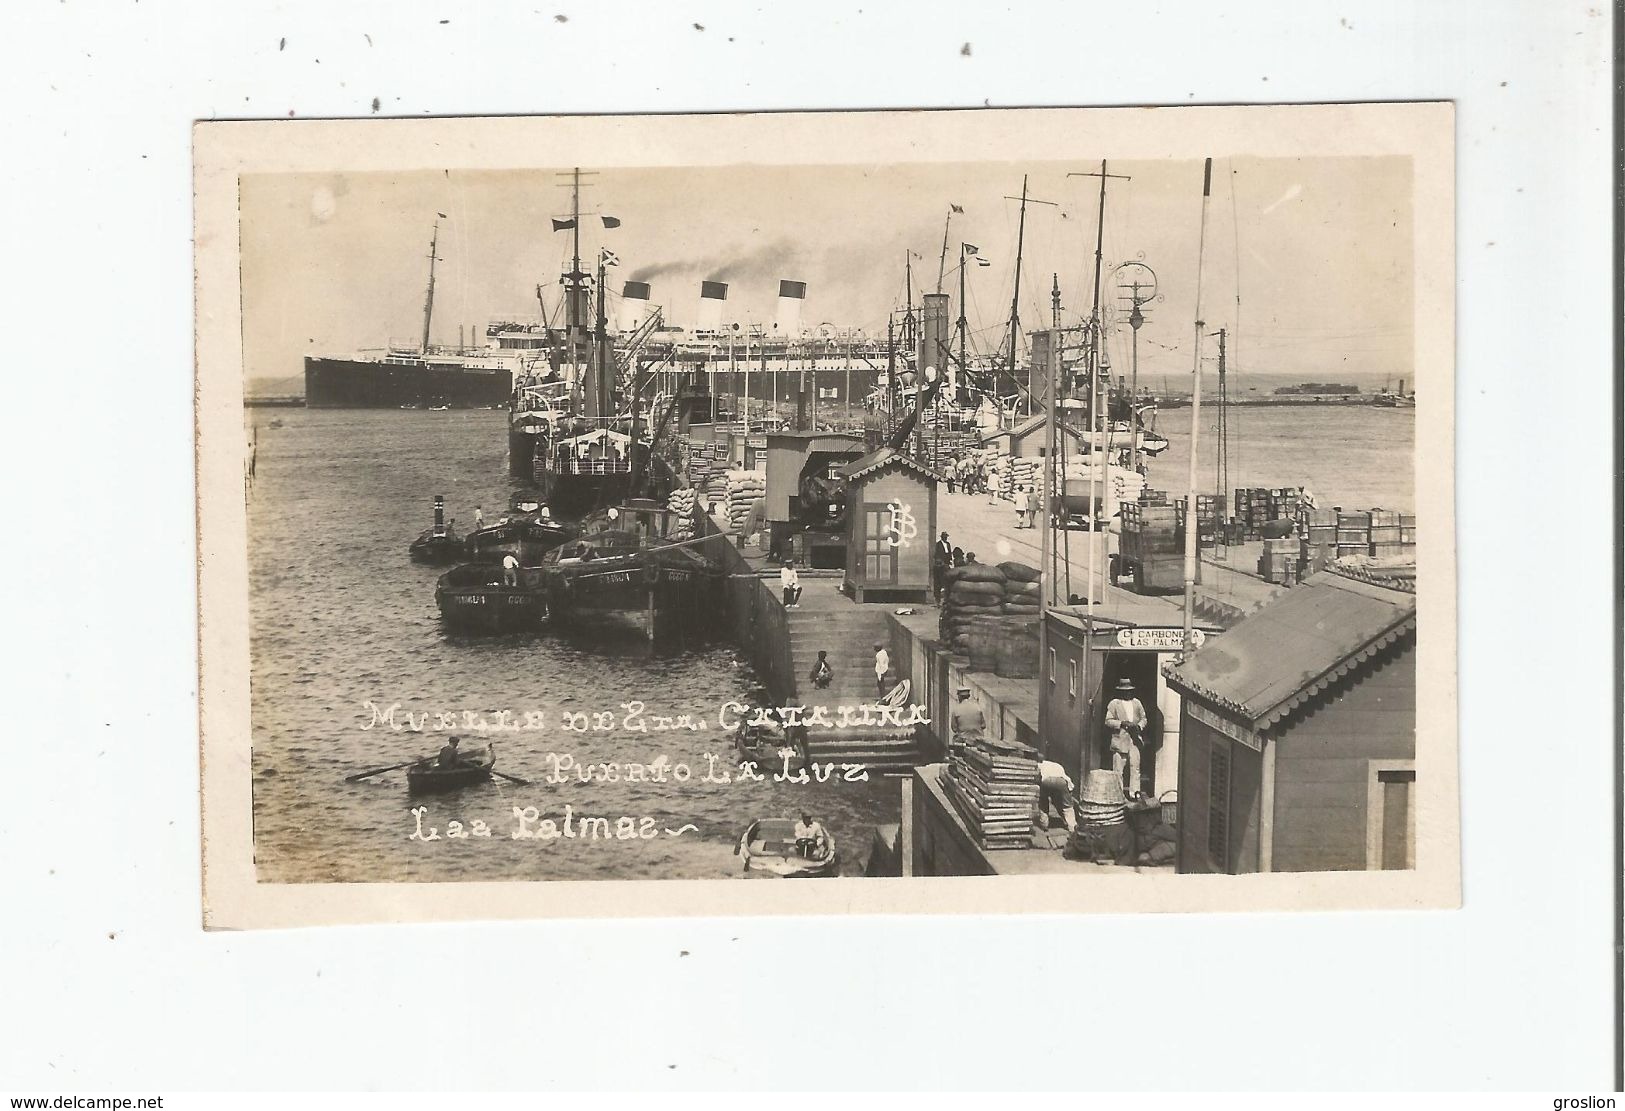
635, 717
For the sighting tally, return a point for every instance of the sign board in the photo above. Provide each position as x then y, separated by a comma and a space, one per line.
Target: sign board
1158, 640
1234, 730
756, 441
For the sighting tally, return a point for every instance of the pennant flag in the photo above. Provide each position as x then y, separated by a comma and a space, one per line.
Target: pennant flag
610, 221
792, 289
607, 257
956, 208
563, 225
442, 215
970, 248
715, 291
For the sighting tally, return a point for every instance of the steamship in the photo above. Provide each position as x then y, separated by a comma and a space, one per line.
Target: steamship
403, 376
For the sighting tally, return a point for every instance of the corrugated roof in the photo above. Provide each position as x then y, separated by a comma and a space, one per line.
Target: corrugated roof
882, 457
1273, 660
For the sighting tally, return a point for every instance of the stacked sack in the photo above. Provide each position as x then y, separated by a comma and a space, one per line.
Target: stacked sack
744, 489
970, 593
1022, 588
1021, 474
681, 503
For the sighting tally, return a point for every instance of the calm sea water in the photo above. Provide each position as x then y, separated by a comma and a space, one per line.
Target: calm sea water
341, 617
1358, 456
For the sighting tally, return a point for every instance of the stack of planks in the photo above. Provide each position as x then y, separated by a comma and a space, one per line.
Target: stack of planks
994, 786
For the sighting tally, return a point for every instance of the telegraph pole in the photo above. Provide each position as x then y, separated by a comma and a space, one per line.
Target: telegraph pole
1188, 643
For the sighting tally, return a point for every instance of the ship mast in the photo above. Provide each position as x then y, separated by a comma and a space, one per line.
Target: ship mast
428, 301
1015, 298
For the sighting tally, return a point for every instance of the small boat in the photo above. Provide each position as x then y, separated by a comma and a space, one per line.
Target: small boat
427, 777
476, 598
623, 564
438, 408
439, 544
769, 845
527, 531
772, 747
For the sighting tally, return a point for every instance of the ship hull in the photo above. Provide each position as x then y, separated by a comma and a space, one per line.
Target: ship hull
366, 384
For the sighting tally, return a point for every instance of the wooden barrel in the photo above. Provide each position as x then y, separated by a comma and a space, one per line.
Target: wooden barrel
1017, 651
984, 647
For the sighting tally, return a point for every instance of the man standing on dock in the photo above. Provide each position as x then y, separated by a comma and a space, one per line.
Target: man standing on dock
1033, 506
942, 558
882, 665
1125, 723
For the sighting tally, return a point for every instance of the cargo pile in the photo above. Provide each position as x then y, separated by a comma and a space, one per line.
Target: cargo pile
681, 503
705, 457
741, 492
1209, 523
1022, 589
971, 595
994, 786
1256, 506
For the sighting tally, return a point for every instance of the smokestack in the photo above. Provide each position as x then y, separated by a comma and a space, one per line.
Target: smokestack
712, 295
934, 334
440, 514
634, 305
1038, 367
1402, 387
788, 319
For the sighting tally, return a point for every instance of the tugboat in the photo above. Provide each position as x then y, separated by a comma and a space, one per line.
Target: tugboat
479, 598
528, 532
438, 545
625, 565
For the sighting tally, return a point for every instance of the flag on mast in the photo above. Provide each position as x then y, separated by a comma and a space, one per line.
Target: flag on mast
563, 225
970, 249
611, 221
607, 257
956, 208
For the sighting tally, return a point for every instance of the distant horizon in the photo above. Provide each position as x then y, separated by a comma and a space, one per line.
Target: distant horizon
1308, 260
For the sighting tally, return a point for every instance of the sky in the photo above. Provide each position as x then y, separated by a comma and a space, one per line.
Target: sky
1306, 262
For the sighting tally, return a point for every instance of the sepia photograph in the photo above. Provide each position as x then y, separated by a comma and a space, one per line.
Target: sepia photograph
1028, 518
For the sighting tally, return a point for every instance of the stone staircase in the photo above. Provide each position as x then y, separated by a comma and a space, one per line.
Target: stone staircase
848, 632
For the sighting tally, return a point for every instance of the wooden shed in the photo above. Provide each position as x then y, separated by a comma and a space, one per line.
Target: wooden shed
1298, 733
1028, 439
890, 520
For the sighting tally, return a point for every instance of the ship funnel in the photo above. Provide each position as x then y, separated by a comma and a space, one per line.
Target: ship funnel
440, 514
712, 295
788, 318
634, 306
934, 334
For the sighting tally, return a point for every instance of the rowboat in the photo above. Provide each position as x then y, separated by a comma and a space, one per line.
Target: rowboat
768, 845
427, 777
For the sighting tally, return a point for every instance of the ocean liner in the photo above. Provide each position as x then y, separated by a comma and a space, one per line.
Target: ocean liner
405, 377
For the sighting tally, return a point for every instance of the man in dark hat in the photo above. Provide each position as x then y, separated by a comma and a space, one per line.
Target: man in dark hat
1125, 729
449, 756
942, 557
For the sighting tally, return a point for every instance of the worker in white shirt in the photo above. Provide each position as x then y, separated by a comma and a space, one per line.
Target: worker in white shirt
810, 835
790, 585
882, 665
1055, 789
510, 570
1125, 728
